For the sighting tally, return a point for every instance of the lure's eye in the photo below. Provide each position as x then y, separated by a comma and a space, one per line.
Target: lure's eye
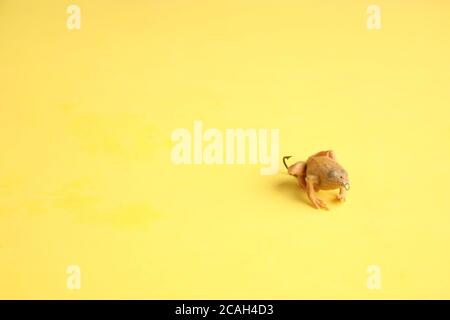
332, 174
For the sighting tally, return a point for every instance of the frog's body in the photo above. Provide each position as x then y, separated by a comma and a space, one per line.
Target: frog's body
320, 172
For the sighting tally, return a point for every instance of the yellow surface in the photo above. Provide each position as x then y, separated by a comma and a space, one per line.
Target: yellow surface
85, 171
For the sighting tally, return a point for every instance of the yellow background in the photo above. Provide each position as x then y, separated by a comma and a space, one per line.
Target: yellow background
85, 170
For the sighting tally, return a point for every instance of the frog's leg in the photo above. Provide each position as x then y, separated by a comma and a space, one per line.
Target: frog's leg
297, 169
301, 178
302, 182
311, 180
342, 194
328, 153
